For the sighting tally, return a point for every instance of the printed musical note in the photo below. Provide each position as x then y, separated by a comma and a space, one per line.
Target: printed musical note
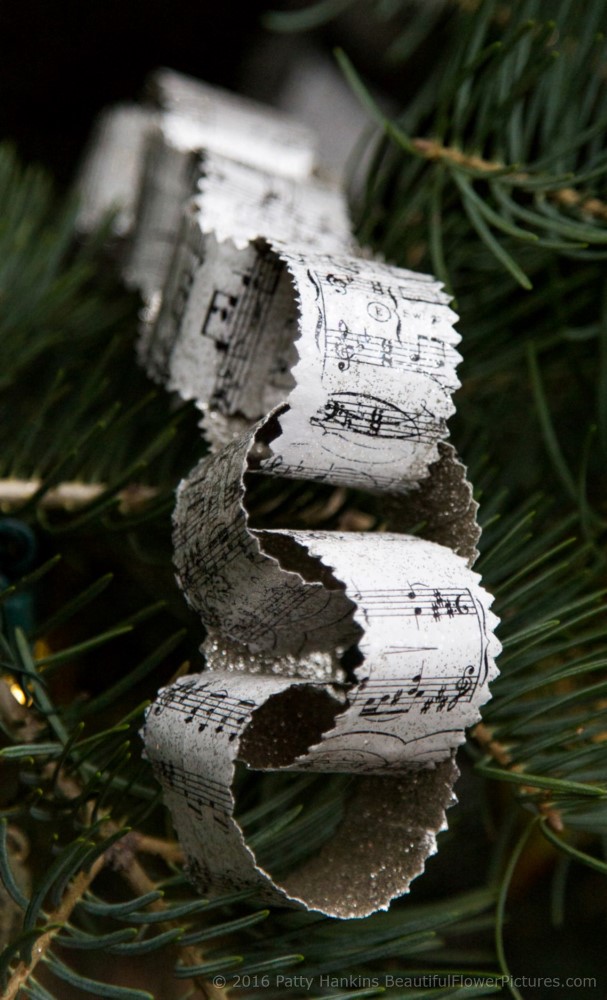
425, 355
369, 416
431, 349
339, 282
421, 601
199, 703
386, 699
391, 699
235, 321
387, 353
219, 316
375, 421
199, 791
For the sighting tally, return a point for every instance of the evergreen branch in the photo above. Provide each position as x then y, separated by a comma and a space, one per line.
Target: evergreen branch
484, 737
562, 845
80, 940
435, 150
303, 20
510, 146
191, 955
483, 119
101, 989
118, 849
501, 907
544, 744
57, 919
6, 874
168, 850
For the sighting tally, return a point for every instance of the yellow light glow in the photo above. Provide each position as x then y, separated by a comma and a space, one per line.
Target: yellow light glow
18, 694
41, 649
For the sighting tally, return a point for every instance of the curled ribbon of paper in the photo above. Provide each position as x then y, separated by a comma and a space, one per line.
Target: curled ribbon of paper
307, 361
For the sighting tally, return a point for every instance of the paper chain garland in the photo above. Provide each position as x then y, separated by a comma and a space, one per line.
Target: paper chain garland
307, 360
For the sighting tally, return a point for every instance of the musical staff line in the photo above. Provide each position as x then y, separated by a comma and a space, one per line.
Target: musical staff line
430, 356
208, 708
419, 601
235, 321
373, 417
407, 290
199, 791
338, 474
386, 699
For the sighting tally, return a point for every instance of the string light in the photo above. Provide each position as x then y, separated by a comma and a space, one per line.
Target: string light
18, 693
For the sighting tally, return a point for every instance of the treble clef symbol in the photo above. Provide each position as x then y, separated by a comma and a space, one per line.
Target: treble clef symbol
462, 609
339, 282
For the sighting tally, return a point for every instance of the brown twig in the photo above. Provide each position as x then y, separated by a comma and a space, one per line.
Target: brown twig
14, 493
484, 737
141, 883
568, 197
59, 917
122, 857
433, 149
170, 851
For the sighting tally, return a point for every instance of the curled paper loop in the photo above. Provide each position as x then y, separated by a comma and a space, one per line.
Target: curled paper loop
231, 199
380, 843
208, 117
366, 654
416, 612
111, 174
281, 607
361, 353
148, 153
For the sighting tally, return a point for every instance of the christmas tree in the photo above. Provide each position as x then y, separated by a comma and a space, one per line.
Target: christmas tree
492, 178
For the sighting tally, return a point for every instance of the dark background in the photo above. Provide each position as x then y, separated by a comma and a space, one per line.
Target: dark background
61, 61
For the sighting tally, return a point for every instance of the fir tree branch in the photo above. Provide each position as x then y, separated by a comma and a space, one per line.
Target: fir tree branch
57, 920
501, 907
436, 150
191, 955
568, 197
121, 856
484, 737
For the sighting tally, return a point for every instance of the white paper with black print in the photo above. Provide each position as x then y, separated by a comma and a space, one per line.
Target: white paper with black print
144, 153
365, 654
110, 177
227, 204
209, 117
360, 353
281, 608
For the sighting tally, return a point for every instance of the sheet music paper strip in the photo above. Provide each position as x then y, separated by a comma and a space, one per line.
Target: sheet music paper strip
110, 176
209, 117
193, 116
307, 360
195, 731
424, 627
229, 203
